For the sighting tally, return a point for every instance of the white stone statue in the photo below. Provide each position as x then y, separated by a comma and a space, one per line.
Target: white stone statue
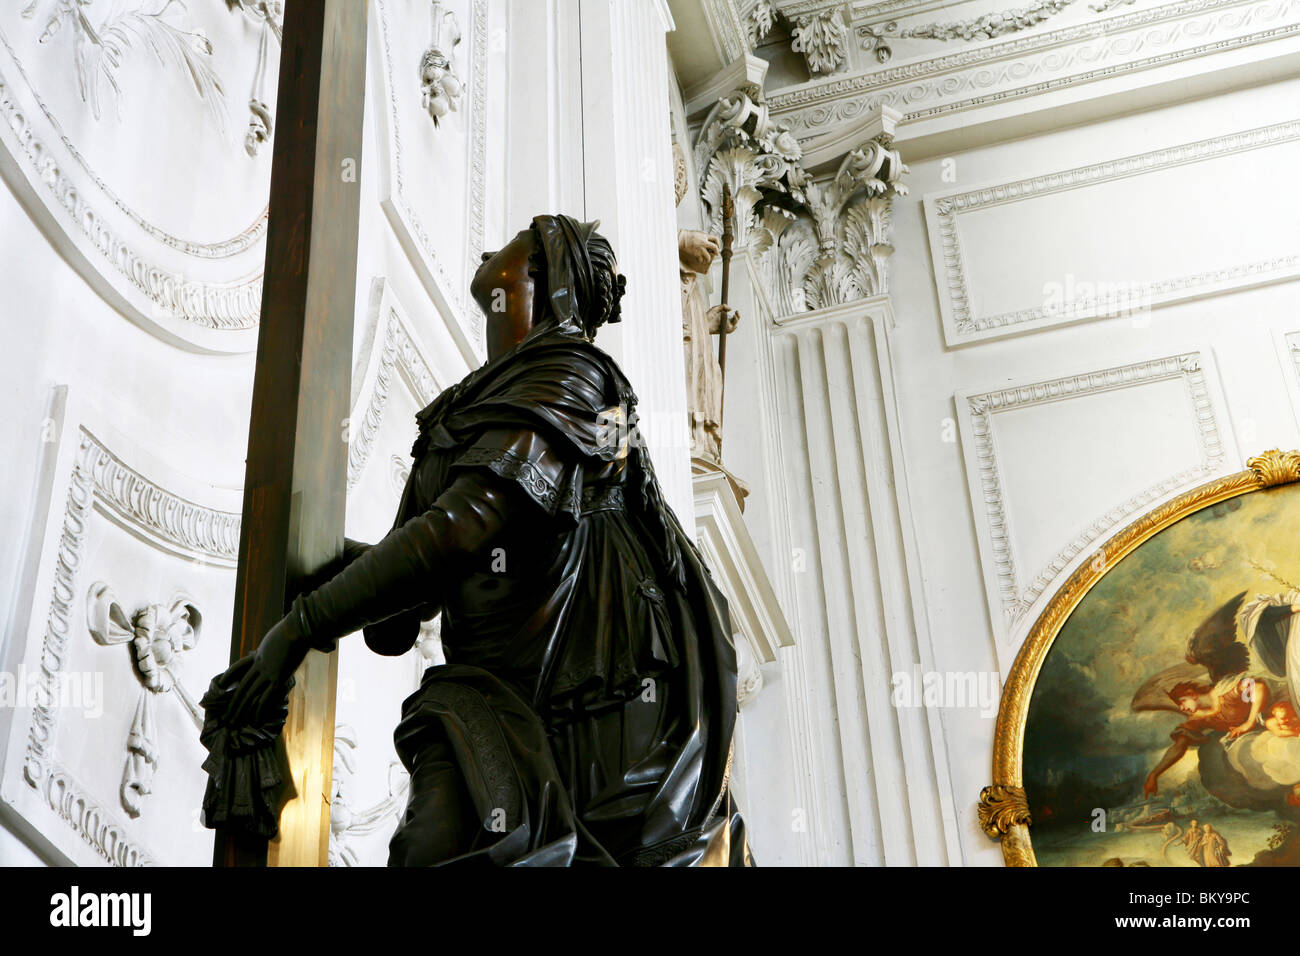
696, 251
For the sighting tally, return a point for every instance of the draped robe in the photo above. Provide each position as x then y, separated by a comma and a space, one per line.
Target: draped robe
586, 710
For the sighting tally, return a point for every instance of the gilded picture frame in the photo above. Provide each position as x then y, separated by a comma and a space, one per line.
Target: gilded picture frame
1003, 807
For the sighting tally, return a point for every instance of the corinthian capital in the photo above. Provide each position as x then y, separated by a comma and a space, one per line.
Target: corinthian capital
740, 146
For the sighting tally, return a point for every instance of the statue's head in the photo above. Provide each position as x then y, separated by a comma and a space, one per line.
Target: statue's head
559, 269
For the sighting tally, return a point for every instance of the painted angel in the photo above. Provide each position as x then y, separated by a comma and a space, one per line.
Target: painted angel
1225, 697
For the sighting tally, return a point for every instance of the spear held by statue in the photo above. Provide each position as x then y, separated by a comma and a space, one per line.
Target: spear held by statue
728, 237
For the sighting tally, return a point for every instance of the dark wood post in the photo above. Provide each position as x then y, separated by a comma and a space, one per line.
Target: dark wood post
296, 480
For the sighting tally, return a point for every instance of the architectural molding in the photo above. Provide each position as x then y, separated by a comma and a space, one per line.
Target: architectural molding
962, 321
989, 25
1287, 345
727, 28
89, 480
158, 297
394, 353
873, 10
157, 636
165, 519
746, 74
449, 292
850, 515
96, 826
100, 481
477, 159
1011, 592
732, 557
1039, 62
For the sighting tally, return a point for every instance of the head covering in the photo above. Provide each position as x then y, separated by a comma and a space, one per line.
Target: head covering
575, 256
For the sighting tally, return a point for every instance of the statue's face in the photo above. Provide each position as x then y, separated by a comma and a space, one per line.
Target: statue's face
503, 274
506, 292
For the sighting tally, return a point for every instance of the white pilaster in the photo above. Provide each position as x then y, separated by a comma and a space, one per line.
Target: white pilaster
851, 532
628, 170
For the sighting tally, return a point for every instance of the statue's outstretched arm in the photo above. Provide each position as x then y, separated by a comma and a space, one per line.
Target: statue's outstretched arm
310, 582
408, 569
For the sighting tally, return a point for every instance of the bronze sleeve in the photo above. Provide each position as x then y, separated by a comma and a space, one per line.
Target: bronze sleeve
411, 566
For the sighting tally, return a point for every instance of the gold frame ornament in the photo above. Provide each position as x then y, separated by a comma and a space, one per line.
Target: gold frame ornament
1003, 808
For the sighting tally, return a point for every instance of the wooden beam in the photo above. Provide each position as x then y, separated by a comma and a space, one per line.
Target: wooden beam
296, 479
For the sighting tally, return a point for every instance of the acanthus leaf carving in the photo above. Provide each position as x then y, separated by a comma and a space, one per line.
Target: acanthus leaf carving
1002, 807
741, 147
817, 244
761, 19
822, 38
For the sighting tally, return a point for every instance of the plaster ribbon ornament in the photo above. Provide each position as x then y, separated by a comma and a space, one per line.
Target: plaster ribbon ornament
269, 16
440, 88
157, 637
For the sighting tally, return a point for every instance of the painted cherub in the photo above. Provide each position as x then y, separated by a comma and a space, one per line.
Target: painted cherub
1283, 722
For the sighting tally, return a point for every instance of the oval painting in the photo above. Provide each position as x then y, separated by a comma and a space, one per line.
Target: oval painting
1163, 727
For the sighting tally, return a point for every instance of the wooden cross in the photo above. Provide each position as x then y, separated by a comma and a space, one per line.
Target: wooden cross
296, 480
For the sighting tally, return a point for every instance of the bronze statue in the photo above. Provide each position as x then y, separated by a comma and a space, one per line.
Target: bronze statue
585, 712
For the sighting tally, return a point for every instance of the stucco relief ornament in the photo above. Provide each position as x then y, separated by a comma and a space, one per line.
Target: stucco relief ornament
157, 636
347, 822
440, 88
991, 24
269, 17
761, 19
749, 679
102, 46
875, 39
835, 246
822, 39
741, 146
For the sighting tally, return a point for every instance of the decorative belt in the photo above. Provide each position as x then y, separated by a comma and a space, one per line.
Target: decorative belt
609, 498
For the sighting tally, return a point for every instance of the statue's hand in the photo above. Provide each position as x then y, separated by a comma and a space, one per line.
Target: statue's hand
696, 250
717, 314
266, 681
